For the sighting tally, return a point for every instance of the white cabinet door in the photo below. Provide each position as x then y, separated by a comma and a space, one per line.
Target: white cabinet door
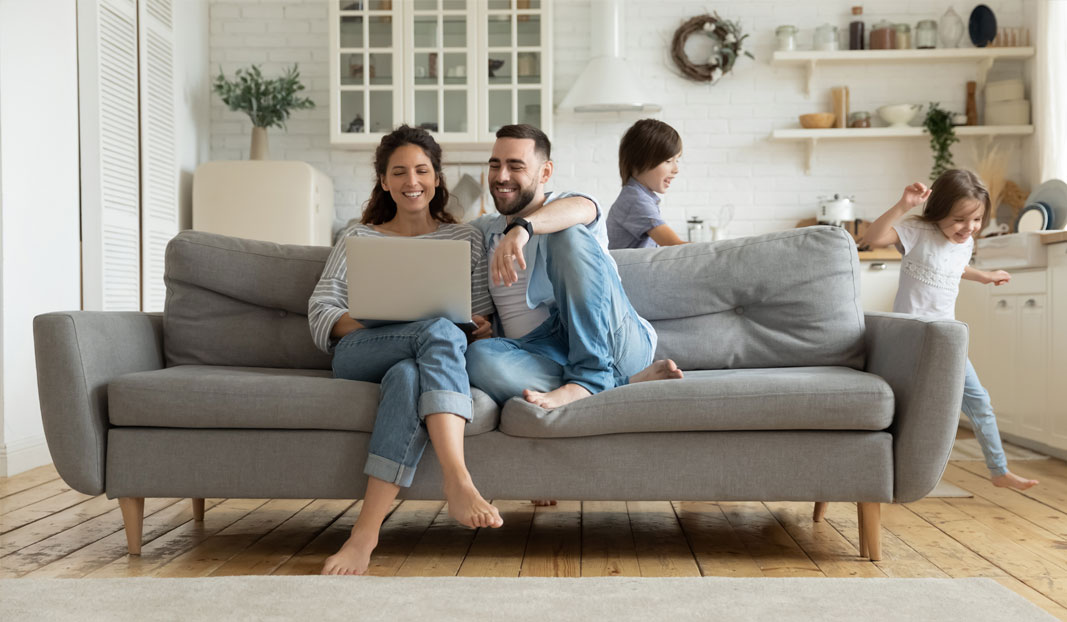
972, 308
517, 49
1056, 395
998, 371
878, 284
366, 43
1031, 366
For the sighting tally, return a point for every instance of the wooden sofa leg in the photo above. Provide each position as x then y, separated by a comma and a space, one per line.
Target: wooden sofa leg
820, 511
133, 516
198, 509
871, 530
862, 534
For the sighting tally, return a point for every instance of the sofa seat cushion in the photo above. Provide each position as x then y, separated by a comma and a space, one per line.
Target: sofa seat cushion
794, 398
206, 396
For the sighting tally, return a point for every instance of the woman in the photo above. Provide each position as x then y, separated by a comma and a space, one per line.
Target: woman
425, 393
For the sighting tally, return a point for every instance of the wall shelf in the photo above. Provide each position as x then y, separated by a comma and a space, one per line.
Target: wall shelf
983, 57
812, 137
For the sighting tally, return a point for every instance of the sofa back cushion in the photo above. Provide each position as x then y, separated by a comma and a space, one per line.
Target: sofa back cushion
778, 300
240, 302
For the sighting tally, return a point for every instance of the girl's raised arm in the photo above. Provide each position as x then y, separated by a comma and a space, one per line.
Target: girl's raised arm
881, 232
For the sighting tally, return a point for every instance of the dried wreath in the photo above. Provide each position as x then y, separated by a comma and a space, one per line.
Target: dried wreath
726, 40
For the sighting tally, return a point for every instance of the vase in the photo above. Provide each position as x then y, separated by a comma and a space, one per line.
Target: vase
260, 148
950, 29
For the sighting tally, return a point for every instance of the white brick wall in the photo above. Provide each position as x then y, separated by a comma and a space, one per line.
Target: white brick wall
728, 155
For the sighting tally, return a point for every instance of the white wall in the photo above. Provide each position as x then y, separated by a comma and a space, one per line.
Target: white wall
39, 193
728, 157
191, 28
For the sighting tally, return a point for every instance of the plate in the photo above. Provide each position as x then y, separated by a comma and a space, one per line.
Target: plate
982, 26
1033, 217
1052, 193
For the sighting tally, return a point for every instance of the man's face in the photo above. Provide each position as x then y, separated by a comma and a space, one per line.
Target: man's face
516, 174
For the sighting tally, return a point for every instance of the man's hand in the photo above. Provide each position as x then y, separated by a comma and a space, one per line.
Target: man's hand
507, 253
483, 329
998, 277
914, 195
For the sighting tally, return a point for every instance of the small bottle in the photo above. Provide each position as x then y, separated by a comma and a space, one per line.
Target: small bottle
855, 29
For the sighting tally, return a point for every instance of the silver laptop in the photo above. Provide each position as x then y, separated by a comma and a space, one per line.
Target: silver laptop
405, 279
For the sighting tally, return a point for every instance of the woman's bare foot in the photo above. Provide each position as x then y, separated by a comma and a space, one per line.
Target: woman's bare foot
557, 397
466, 505
1011, 480
543, 503
663, 369
354, 556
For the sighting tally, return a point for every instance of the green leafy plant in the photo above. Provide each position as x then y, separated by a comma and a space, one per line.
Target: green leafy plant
266, 102
938, 122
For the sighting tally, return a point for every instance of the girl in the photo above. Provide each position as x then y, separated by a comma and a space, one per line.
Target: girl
937, 248
425, 393
648, 163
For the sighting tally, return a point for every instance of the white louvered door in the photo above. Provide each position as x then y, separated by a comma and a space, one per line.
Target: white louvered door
159, 164
110, 173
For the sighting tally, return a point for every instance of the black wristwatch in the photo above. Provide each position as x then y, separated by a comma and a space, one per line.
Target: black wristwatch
520, 222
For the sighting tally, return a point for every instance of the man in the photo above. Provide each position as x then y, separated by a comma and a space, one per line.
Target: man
569, 329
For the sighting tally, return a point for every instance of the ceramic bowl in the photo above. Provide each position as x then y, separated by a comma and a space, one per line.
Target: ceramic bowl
898, 115
817, 120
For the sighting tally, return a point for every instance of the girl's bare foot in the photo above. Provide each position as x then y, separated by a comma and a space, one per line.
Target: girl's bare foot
354, 556
1011, 480
663, 369
466, 505
543, 503
557, 397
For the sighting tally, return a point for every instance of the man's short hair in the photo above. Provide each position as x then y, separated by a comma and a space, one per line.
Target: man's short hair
542, 146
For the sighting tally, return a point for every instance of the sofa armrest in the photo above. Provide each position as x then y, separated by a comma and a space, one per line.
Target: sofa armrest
924, 362
78, 354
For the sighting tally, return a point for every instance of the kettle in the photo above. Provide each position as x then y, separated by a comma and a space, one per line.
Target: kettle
835, 211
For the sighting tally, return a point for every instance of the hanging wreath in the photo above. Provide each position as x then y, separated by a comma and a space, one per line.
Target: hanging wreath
726, 40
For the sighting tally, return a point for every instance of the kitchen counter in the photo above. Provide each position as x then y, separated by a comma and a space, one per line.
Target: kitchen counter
880, 254
1053, 237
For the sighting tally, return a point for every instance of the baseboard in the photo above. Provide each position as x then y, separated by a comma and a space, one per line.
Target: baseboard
23, 455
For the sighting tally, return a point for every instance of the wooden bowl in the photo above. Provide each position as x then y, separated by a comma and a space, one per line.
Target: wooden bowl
817, 120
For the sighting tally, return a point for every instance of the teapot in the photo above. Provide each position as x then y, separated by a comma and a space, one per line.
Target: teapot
836, 211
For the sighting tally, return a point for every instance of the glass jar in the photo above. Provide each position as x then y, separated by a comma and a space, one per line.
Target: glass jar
926, 34
883, 37
787, 38
826, 37
695, 231
860, 118
903, 36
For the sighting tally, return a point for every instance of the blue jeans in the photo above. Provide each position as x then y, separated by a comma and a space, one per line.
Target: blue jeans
592, 338
979, 410
421, 368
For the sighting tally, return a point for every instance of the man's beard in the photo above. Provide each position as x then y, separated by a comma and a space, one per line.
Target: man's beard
523, 196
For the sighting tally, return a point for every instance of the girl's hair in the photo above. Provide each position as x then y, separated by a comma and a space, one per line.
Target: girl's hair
646, 145
950, 187
380, 207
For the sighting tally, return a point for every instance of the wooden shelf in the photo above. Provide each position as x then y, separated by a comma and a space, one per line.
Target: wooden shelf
984, 57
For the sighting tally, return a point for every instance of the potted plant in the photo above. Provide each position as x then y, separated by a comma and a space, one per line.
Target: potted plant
266, 102
938, 122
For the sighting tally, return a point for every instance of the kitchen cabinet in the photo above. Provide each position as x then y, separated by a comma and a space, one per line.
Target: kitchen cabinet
1057, 341
460, 69
878, 284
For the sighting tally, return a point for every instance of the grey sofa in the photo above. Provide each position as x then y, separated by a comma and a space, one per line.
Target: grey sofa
791, 392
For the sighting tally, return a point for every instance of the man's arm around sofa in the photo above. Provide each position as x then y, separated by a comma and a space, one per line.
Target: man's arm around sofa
78, 354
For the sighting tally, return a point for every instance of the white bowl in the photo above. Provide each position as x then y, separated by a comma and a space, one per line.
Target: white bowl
898, 115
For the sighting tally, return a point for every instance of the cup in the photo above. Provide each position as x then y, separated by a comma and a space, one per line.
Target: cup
461, 71
420, 71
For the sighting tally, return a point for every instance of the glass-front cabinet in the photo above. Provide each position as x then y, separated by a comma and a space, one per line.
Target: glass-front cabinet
458, 68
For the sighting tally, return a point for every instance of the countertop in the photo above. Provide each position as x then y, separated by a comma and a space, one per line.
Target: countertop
1053, 237
880, 254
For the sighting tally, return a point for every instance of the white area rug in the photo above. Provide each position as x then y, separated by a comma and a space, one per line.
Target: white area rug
511, 600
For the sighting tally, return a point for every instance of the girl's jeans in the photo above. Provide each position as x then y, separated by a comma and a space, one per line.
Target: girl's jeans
979, 410
422, 371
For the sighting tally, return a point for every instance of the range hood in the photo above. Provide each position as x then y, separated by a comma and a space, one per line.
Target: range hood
607, 84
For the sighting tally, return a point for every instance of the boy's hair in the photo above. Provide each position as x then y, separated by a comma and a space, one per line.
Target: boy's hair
950, 187
542, 146
646, 145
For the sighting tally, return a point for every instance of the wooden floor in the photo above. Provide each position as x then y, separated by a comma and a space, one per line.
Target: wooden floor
1018, 539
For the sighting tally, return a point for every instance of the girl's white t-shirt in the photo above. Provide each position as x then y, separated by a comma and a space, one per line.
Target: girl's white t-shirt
930, 271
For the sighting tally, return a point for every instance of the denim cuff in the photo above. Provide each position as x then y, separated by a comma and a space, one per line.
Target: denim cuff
594, 382
389, 471
431, 402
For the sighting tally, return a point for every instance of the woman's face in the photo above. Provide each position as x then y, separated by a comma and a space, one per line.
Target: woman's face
410, 179
963, 221
659, 178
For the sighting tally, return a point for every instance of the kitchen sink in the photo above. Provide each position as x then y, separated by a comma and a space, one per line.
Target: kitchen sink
1014, 250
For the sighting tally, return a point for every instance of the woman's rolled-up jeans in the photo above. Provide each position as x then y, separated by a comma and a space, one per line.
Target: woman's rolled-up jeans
422, 370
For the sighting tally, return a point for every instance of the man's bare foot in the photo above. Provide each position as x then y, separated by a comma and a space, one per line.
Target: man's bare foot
543, 503
663, 369
354, 556
466, 505
557, 397
1011, 480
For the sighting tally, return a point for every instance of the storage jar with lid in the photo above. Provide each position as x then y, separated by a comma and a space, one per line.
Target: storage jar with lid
855, 29
826, 37
787, 38
926, 34
860, 118
883, 37
903, 36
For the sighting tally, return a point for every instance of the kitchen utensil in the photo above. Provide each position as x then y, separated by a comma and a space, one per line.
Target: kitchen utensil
1034, 217
1004, 90
839, 97
1052, 193
1008, 113
972, 106
817, 120
898, 115
836, 211
982, 26
695, 232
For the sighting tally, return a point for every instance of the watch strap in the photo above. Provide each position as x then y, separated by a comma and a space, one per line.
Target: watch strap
520, 222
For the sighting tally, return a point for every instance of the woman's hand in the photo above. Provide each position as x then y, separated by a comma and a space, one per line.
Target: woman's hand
483, 329
914, 195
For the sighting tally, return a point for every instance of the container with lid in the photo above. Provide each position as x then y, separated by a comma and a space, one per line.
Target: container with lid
926, 34
787, 37
883, 37
855, 29
826, 37
903, 36
860, 118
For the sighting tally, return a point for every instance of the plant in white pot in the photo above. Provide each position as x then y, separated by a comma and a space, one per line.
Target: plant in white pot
267, 102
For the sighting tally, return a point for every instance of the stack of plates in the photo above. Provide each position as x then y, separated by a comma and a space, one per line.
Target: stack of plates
1046, 208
